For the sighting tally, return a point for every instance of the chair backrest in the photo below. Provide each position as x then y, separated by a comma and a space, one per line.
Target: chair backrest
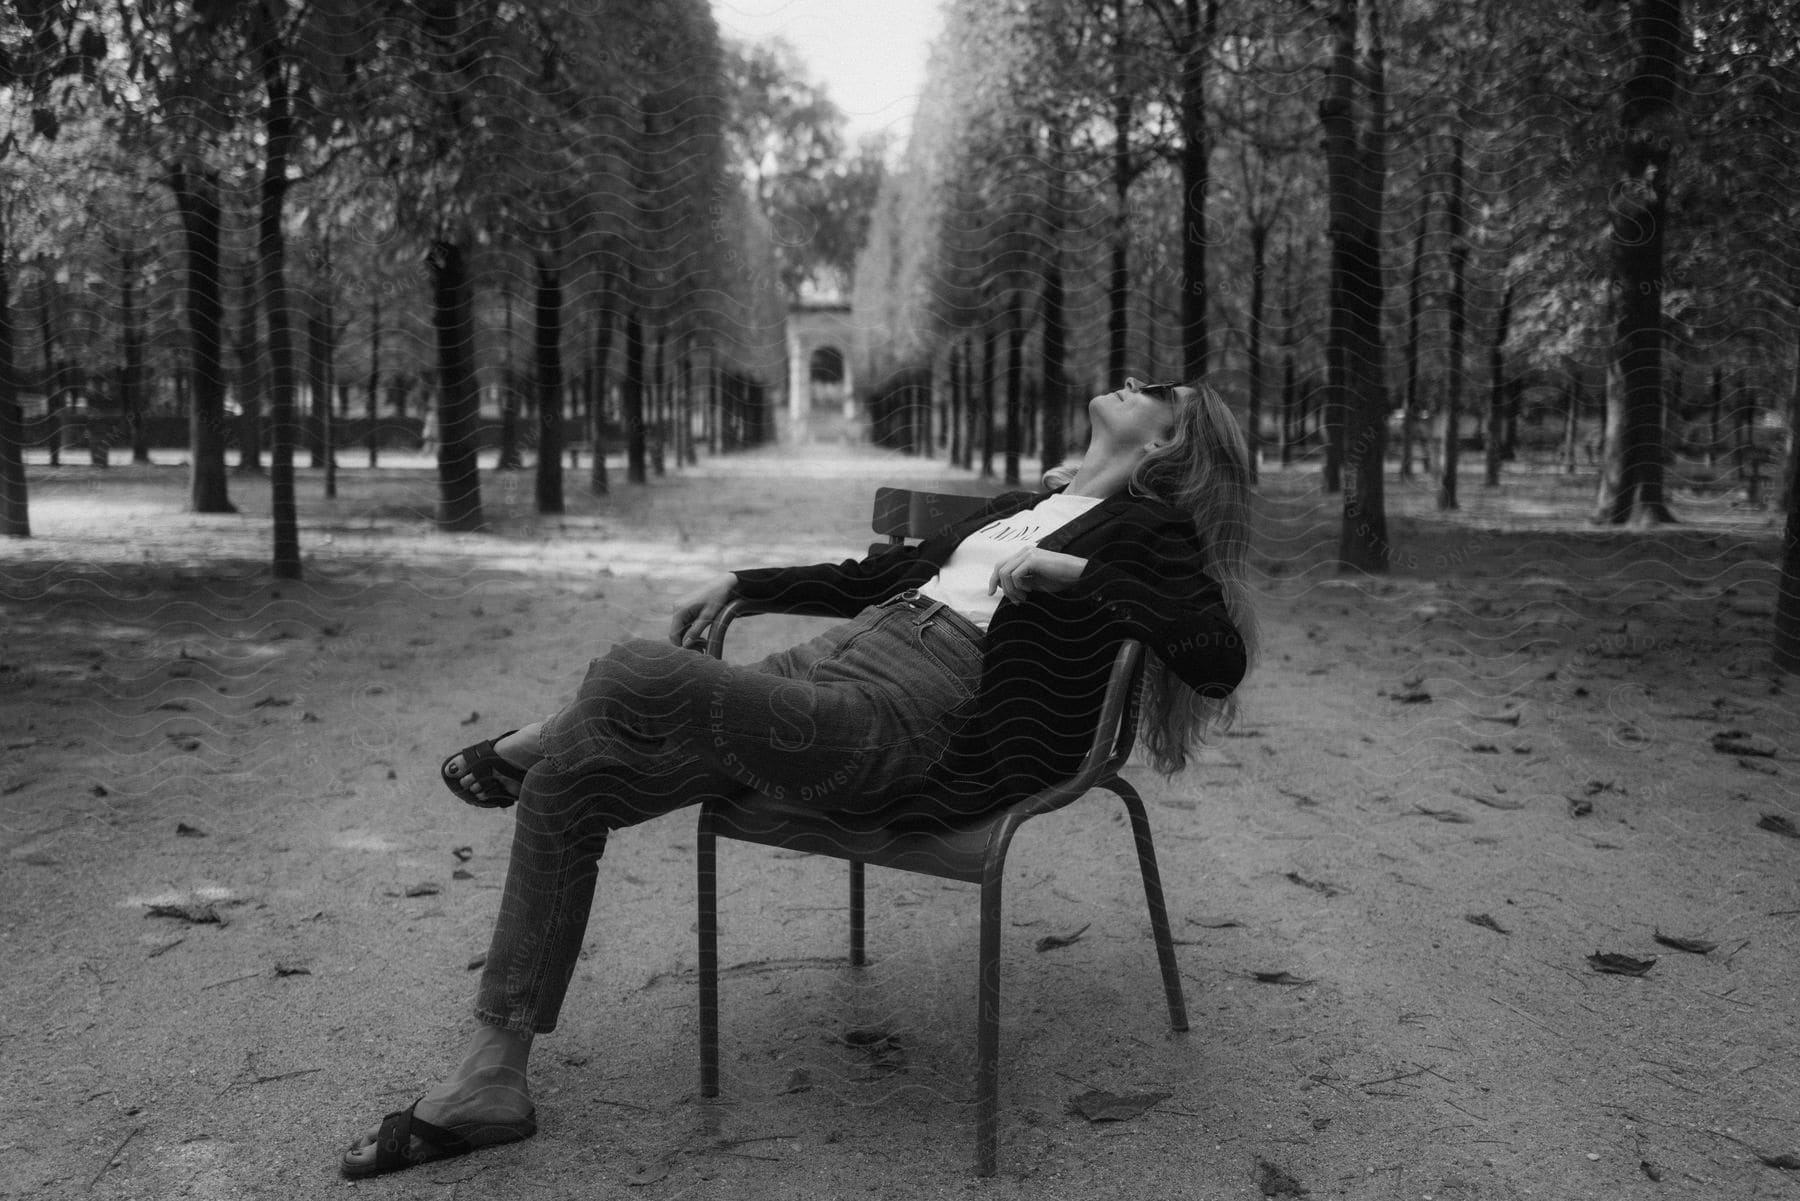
902, 513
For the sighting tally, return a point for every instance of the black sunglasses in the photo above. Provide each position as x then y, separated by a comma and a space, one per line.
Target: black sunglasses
1163, 391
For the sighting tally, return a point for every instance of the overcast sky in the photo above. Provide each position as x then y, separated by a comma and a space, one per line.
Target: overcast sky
869, 54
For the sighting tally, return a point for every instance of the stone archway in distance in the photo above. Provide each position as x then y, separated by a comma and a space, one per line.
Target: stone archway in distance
821, 342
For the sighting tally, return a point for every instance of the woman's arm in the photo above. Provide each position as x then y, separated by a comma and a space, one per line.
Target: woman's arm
847, 588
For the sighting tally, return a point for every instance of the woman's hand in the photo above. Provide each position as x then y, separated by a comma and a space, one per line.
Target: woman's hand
694, 613
1034, 570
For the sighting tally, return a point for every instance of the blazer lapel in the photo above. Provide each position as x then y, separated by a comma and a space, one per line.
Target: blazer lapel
1100, 513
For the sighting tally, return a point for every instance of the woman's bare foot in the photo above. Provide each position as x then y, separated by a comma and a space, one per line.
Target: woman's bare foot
487, 1088
521, 748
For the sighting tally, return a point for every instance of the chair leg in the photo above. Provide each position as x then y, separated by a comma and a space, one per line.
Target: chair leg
857, 956
987, 1028
1153, 894
706, 857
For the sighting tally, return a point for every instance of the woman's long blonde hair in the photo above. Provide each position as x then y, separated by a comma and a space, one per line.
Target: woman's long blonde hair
1204, 471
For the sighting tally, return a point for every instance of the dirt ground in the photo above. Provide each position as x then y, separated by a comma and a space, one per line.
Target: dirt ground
1451, 787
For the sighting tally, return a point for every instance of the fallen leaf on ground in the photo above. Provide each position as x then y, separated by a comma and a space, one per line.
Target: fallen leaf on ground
1741, 742
464, 854
1580, 807
1696, 946
1485, 919
1620, 965
1274, 1182
184, 830
1277, 978
1417, 696
648, 1173
1330, 890
1649, 1169
1098, 1105
473, 717
1051, 942
424, 889
292, 969
1490, 801
1777, 823
1784, 1161
1443, 815
1221, 925
478, 962
198, 912
881, 1046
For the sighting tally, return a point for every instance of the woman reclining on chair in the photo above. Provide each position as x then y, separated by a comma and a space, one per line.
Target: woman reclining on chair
969, 672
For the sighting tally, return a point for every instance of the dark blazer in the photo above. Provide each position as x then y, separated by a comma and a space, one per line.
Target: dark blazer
1046, 660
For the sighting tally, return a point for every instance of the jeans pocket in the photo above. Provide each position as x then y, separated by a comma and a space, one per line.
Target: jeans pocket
956, 663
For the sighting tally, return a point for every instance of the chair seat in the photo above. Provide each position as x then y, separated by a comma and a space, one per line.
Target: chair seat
953, 851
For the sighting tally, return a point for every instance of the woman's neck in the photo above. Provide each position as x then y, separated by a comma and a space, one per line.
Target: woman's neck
1104, 471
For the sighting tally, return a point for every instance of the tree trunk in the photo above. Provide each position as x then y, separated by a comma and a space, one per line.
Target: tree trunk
547, 369
15, 511
1055, 436
1015, 382
1493, 443
459, 396
374, 407
1118, 287
954, 416
1787, 597
1356, 177
1289, 397
278, 305
197, 199
1259, 247
1749, 462
659, 410
1290, 394
1409, 413
131, 371
598, 484
1196, 179
53, 397
1712, 422
509, 394
251, 381
324, 339
1456, 238
1572, 421
1631, 484
632, 400
990, 371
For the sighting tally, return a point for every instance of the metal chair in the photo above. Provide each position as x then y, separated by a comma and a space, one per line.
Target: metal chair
974, 851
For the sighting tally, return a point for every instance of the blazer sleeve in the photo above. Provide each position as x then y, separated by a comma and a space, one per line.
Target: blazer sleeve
836, 589
1148, 580
847, 588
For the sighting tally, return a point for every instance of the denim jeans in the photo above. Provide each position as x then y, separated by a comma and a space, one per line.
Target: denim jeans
849, 722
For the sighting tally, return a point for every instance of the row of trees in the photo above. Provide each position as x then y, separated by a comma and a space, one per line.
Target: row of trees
250, 203
1434, 209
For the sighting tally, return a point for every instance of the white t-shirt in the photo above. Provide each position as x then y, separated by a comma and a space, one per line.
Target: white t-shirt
962, 582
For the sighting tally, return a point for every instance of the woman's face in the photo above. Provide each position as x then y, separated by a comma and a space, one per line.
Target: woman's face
1137, 414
